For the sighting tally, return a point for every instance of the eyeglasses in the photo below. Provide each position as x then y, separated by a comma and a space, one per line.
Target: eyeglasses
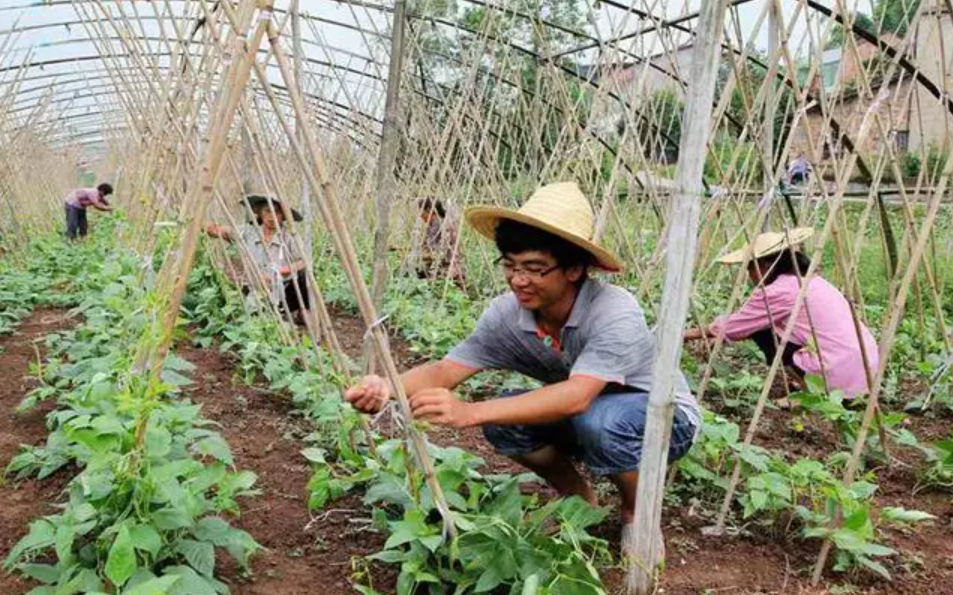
532, 273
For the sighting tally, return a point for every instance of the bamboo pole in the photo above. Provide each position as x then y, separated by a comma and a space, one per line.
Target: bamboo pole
317, 175
682, 239
200, 193
306, 208
387, 160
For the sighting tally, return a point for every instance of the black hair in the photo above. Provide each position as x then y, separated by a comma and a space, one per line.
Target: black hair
105, 189
786, 262
432, 205
515, 238
258, 211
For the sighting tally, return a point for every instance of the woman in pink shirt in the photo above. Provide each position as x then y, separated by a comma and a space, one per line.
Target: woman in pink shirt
824, 340
75, 205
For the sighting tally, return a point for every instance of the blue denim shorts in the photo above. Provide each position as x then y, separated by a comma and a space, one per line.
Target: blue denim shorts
607, 437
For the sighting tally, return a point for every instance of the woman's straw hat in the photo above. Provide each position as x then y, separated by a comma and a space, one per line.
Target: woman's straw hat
560, 209
769, 243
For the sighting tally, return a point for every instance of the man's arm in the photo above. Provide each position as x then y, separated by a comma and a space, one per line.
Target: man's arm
290, 269
220, 231
373, 391
541, 406
699, 332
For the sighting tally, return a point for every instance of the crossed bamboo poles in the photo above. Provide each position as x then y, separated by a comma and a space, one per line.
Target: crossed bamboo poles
468, 122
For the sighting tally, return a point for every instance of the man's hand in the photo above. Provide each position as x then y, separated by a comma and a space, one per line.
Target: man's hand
370, 395
442, 407
696, 334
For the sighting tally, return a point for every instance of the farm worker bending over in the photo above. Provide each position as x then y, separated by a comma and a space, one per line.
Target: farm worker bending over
799, 170
586, 340
272, 251
824, 339
76, 203
438, 251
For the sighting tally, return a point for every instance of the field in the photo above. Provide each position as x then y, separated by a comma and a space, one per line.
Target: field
276, 492
278, 195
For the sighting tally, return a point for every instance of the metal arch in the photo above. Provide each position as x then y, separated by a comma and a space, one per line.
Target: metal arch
928, 83
99, 58
676, 23
123, 125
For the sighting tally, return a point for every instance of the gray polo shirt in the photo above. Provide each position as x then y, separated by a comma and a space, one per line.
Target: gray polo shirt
605, 337
279, 251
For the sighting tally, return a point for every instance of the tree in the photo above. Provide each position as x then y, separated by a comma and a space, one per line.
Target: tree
890, 16
858, 19
894, 15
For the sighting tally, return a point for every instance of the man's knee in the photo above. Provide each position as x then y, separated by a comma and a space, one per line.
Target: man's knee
602, 426
509, 440
610, 433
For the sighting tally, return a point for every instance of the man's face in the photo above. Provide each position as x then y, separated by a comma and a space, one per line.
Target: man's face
537, 280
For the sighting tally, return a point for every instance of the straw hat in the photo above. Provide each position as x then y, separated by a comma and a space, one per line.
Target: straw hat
256, 202
769, 243
560, 209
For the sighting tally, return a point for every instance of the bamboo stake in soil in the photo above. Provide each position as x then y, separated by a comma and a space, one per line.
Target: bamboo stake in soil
317, 175
390, 143
682, 239
886, 344
201, 191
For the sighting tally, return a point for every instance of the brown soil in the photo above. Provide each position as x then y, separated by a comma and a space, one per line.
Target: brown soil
304, 554
23, 501
318, 554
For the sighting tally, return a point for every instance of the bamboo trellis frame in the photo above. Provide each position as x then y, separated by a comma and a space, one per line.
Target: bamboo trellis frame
481, 131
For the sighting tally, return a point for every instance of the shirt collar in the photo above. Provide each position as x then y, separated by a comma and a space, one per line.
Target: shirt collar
258, 237
527, 321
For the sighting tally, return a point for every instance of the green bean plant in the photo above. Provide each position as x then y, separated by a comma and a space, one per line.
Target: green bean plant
148, 502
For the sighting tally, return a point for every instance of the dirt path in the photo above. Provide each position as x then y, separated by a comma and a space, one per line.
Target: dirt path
22, 501
304, 555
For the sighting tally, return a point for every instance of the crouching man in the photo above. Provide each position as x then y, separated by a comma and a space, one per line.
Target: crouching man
585, 340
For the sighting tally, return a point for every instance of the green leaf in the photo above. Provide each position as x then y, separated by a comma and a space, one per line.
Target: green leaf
65, 534
389, 556
191, 583
862, 490
173, 378
146, 538
174, 362
45, 573
315, 455
158, 442
157, 586
579, 514
208, 477
759, 499
85, 581
169, 519
489, 580
215, 447
214, 530
388, 491
875, 566
121, 562
199, 554
902, 515
41, 536
411, 528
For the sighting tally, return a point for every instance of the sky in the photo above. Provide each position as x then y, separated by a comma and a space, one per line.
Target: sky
79, 83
